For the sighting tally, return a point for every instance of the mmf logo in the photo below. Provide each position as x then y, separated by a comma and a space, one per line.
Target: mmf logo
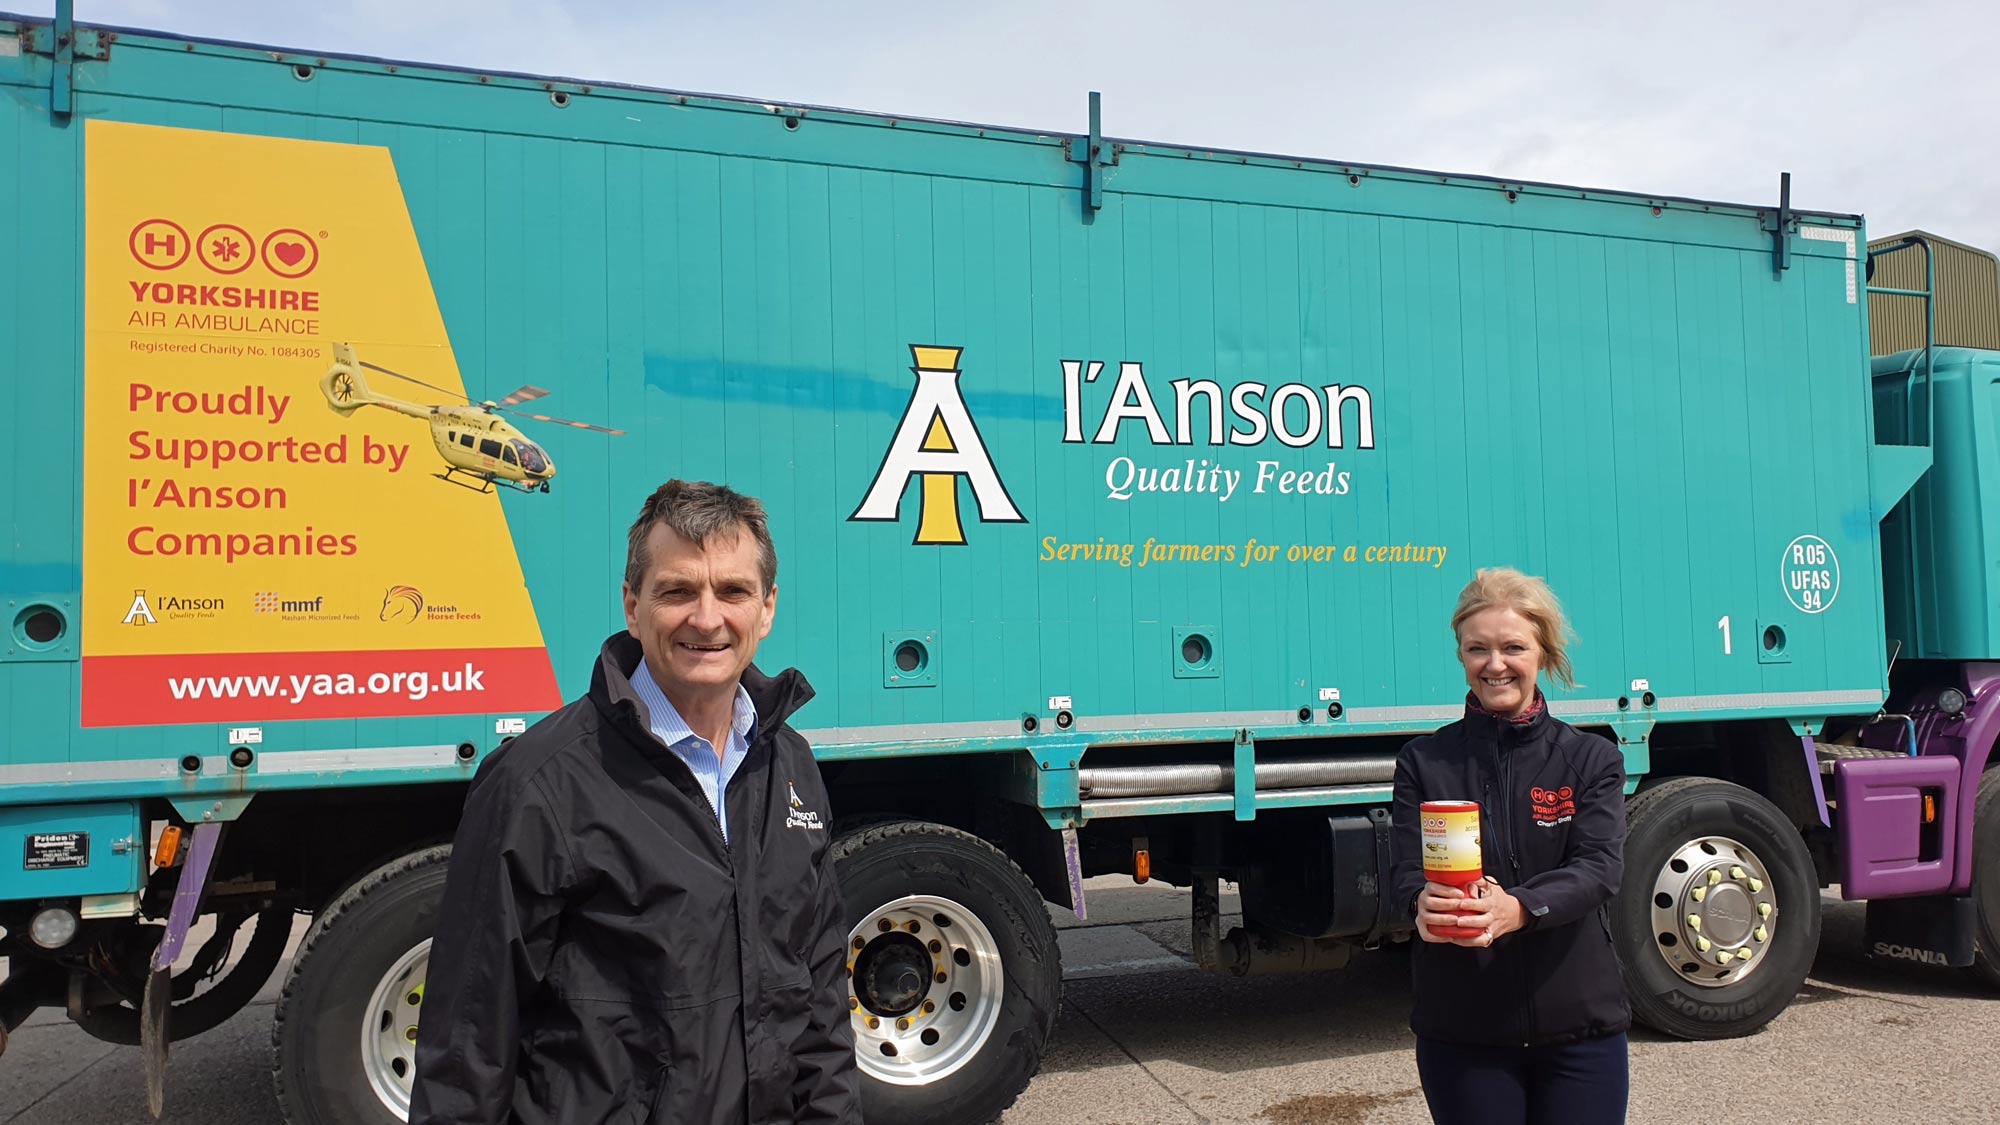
270, 601
938, 442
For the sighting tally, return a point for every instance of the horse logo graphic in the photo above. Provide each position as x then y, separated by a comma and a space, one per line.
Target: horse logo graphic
402, 603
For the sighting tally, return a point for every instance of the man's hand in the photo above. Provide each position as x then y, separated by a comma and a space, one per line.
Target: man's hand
1501, 914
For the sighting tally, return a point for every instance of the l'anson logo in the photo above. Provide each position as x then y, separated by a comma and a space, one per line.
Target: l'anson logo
148, 609
798, 816
938, 442
1294, 415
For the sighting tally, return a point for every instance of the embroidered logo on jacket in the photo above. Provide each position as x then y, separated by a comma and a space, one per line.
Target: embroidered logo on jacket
1552, 806
800, 816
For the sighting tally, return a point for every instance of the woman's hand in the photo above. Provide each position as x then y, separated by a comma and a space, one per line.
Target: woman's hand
1437, 905
1501, 914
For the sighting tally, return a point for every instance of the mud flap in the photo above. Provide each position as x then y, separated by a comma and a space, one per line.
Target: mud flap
159, 997
1932, 930
1386, 921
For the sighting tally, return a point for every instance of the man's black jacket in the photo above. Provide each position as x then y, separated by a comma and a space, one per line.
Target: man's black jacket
603, 955
1552, 828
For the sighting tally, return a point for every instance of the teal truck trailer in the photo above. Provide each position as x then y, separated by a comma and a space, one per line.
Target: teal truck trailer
1121, 490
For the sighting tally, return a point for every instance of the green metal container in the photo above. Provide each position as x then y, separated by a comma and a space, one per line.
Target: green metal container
1210, 440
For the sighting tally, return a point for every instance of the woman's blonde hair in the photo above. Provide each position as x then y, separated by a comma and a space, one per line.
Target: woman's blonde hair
1506, 588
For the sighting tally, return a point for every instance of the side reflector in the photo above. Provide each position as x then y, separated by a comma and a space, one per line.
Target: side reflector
169, 851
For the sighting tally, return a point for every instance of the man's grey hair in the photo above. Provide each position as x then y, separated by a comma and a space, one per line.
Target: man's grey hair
698, 511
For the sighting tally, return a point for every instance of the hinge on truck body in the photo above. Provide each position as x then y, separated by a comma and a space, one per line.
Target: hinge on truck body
1095, 155
1781, 250
65, 44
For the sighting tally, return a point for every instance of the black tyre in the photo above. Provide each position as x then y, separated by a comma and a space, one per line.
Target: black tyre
342, 1042
1717, 919
1986, 878
956, 975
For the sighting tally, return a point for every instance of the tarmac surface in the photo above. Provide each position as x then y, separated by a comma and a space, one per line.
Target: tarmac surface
1146, 1038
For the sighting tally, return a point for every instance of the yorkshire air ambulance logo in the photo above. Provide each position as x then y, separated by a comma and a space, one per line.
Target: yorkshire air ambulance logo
937, 442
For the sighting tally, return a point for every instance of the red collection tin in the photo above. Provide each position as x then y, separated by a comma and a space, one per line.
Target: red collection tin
1452, 853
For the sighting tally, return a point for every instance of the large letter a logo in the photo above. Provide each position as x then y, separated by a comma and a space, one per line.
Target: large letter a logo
937, 441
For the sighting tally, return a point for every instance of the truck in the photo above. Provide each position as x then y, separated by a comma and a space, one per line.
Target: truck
1121, 491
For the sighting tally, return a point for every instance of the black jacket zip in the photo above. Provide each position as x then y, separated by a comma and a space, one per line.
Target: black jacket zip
1514, 863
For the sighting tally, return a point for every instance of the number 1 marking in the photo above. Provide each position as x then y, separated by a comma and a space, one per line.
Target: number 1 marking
1724, 626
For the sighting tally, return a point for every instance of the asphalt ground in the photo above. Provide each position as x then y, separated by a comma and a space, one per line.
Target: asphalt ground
1146, 1038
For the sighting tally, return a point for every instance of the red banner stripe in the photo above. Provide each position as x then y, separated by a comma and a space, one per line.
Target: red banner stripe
275, 686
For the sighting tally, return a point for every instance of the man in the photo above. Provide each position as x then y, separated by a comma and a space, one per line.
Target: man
640, 922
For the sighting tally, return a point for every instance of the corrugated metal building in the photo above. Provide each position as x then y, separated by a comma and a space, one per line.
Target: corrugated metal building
1968, 295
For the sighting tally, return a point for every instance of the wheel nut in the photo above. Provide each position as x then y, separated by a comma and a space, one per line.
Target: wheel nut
873, 1023
1744, 954
1703, 944
411, 1035
1756, 885
854, 1003
903, 1024
1714, 877
913, 925
1737, 873
940, 976
1722, 957
930, 1006
1763, 910
1761, 934
1699, 893
937, 946
859, 945
1694, 922
884, 925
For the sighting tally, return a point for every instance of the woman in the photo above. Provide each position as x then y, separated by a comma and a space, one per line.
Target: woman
1525, 1022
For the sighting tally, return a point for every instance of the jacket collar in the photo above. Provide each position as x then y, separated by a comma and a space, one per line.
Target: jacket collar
1529, 724
776, 698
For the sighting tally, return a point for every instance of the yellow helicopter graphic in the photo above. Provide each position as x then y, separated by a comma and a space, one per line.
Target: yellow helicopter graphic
475, 442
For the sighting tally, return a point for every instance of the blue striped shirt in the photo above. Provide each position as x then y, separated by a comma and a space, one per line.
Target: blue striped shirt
711, 770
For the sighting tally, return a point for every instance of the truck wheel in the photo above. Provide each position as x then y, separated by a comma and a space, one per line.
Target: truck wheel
344, 1038
1986, 878
1717, 918
954, 970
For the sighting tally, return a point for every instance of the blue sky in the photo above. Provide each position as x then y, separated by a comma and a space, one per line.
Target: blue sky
1872, 107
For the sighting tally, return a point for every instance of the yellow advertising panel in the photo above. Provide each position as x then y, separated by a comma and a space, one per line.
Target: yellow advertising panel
291, 508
